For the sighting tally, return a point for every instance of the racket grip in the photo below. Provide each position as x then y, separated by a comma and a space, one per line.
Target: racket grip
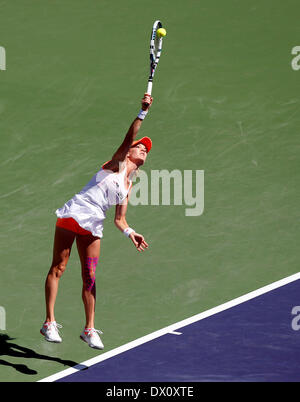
149, 88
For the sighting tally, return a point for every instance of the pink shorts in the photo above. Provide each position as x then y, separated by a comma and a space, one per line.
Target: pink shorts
71, 224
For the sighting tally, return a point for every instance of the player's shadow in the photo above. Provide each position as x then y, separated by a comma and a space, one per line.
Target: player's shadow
12, 349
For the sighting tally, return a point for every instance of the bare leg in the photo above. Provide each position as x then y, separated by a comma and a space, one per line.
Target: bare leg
63, 241
89, 251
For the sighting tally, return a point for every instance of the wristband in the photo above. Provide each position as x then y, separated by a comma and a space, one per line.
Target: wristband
127, 232
142, 114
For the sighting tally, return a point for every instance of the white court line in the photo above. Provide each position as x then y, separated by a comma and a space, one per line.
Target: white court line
172, 328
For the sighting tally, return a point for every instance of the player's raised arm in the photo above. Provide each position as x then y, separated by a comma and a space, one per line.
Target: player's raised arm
121, 152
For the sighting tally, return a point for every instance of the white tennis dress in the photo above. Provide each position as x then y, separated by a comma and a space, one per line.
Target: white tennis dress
89, 206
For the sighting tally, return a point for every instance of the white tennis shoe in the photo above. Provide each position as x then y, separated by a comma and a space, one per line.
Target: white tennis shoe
91, 337
50, 332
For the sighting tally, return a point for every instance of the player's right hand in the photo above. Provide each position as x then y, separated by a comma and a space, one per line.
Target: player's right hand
146, 102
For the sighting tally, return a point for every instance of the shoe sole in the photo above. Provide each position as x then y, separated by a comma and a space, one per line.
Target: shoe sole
48, 340
93, 347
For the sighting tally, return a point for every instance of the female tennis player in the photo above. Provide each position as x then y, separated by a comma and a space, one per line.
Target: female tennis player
82, 218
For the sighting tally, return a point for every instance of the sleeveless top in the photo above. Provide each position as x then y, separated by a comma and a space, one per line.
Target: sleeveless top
89, 206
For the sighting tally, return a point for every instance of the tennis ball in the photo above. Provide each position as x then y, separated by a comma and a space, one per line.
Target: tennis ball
161, 32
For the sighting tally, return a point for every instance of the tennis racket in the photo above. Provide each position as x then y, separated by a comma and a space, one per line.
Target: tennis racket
155, 51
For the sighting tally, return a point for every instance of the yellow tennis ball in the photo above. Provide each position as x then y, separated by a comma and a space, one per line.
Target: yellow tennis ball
161, 32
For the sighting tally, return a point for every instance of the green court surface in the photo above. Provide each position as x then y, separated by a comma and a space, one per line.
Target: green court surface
226, 101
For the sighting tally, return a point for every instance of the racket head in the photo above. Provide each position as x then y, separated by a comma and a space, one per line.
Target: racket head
155, 47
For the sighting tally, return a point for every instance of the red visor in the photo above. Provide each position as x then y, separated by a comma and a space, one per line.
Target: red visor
146, 141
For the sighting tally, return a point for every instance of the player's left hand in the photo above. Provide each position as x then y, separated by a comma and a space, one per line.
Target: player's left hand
139, 241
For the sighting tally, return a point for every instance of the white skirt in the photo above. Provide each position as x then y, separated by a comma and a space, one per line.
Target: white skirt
86, 215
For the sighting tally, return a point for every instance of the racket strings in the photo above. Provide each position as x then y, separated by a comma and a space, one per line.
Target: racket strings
155, 51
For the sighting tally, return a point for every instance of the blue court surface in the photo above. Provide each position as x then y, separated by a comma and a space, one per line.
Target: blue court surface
254, 340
